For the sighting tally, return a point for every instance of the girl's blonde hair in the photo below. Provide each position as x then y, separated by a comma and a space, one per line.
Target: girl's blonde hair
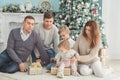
65, 44
64, 29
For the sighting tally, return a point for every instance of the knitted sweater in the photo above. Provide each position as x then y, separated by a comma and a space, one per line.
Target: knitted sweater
87, 55
19, 50
50, 37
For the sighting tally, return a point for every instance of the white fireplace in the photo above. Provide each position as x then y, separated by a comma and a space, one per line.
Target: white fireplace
8, 21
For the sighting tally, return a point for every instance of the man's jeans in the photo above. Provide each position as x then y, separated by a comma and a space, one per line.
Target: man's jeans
51, 54
7, 65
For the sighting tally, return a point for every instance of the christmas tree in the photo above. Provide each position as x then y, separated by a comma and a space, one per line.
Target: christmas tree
75, 13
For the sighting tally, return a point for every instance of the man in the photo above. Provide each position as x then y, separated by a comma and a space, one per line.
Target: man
21, 43
49, 34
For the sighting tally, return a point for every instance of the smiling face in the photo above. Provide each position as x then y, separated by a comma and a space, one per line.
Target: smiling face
48, 22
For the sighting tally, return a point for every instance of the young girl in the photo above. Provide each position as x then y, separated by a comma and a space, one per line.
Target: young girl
64, 33
88, 45
64, 59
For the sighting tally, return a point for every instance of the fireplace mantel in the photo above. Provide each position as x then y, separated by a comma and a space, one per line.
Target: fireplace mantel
8, 21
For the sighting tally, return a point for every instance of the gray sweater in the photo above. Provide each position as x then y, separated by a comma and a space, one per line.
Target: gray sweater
19, 50
50, 37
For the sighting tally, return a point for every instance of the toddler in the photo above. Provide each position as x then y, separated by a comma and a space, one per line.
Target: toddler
64, 33
64, 59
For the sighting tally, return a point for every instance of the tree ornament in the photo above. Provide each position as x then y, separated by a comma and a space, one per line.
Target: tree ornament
68, 1
87, 5
60, 16
74, 8
63, 17
77, 13
79, 6
95, 11
82, 3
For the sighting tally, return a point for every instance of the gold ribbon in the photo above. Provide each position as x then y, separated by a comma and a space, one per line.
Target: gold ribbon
36, 66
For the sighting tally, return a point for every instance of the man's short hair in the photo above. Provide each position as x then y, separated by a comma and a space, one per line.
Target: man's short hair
48, 14
29, 17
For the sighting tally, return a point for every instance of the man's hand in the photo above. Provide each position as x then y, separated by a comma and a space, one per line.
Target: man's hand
22, 67
38, 60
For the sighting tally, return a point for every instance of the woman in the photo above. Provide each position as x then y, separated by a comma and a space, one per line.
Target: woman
87, 45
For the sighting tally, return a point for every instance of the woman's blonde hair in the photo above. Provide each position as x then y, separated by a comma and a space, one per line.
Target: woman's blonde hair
95, 34
65, 44
64, 29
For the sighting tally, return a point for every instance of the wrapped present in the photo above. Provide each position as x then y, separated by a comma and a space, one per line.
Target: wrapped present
35, 69
53, 70
103, 54
66, 71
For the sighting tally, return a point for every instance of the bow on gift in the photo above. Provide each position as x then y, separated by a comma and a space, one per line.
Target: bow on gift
35, 68
36, 65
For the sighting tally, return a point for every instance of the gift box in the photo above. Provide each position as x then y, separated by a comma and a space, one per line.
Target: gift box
103, 54
35, 69
66, 71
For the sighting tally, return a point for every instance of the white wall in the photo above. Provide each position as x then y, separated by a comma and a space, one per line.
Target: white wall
9, 21
111, 17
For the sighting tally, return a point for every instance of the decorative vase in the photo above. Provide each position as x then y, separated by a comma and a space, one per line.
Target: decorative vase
28, 6
22, 8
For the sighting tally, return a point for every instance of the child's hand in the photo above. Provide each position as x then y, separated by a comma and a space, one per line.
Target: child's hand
52, 60
72, 60
57, 65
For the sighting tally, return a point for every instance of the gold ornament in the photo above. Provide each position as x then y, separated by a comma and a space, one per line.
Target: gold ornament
69, 1
79, 6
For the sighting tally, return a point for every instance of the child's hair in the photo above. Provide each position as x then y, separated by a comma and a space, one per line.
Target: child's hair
65, 44
64, 29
